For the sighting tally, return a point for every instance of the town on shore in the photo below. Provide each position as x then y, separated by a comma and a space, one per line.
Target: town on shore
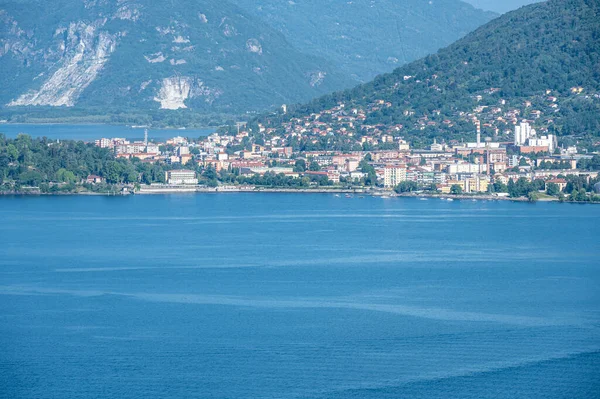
525, 165
530, 166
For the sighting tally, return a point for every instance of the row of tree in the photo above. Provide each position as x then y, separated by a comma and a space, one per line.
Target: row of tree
25, 161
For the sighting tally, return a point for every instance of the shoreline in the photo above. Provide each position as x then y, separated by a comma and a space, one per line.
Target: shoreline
107, 124
351, 192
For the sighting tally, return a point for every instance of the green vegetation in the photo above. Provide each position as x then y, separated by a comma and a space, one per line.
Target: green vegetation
552, 189
589, 164
512, 60
118, 116
64, 166
52, 167
456, 189
578, 189
365, 38
235, 62
406, 187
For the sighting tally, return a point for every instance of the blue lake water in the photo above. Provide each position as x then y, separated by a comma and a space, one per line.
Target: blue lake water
93, 132
297, 296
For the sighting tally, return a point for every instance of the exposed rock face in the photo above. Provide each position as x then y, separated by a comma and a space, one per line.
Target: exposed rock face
128, 12
13, 39
86, 49
316, 78
154, 58
254, 46
173, 92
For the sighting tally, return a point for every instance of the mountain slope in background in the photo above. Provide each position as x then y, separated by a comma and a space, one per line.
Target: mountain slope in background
364, 37
501, 6
209, 55
541, 62
139, 54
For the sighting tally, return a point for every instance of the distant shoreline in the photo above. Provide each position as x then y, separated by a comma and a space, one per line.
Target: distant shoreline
352, 193
106, 124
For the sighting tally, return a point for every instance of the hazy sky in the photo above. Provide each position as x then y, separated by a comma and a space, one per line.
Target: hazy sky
500, 6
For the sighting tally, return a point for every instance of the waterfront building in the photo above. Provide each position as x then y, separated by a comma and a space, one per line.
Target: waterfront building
561, 183
394, 175
93, 179
181, 177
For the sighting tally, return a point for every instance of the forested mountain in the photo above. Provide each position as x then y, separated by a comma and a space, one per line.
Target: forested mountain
500, 6
540, 62
364, 37
143, 54
209, 55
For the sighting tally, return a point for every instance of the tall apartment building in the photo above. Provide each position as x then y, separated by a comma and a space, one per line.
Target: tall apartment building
394, 175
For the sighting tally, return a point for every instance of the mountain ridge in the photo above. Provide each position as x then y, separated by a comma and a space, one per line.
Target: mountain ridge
179, 56
136, 55
511, 61
365, 38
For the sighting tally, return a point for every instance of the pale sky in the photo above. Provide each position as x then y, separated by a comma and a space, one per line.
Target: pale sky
500, 6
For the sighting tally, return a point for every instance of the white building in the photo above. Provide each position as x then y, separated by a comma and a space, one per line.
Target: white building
177, 141
152, 148
181, 177
543, 141
183, 151
403, 145
104, 143
437, 147
393, 175
525, 135
456, 168
522, 133
110, 143
132, 148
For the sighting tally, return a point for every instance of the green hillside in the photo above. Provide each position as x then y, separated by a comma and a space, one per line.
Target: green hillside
365, 38
92, 58
541, 62
120, 55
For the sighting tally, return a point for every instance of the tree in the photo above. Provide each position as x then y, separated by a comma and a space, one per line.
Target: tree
66, 176
300, 166
31, 178
210, 173
510, 188
552, 189
500, 187
406, 187
538, 185
533, 196
112, 172
456, 189
314, 166
12, 152
371, 179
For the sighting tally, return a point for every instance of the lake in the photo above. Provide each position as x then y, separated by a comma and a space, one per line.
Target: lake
94, 132
297, 296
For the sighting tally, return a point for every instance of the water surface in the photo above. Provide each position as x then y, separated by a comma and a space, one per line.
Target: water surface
297, 296
94, 132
